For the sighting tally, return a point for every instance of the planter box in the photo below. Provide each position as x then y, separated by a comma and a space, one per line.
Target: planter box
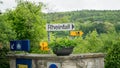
63, 51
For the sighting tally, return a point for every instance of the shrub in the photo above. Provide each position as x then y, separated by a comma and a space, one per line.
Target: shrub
112, 59
4, 62
62, 42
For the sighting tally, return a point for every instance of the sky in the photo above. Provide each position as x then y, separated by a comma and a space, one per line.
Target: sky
68, 5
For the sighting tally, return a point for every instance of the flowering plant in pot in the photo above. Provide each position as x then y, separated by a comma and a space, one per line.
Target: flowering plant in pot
62, 46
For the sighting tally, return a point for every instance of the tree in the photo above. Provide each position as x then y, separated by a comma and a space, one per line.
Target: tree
6, 34
28, 22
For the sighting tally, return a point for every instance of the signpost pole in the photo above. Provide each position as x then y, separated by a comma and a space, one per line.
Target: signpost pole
48, 36
48, 32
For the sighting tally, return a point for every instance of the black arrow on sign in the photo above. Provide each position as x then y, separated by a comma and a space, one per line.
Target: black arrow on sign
72, 26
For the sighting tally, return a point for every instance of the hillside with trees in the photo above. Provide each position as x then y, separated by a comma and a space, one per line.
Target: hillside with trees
87, 15
88, 20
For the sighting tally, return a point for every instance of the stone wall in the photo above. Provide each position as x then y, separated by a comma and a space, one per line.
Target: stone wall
92, 60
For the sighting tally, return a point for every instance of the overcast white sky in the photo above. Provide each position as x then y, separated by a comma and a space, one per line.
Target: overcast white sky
69, 5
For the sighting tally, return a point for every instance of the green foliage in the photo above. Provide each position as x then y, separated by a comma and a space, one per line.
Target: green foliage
62, 42
117, 26
28, 22
91, 43
87, 15
112, 59
103, 27
94, 42
6, 31
4, 63
36, 49
108, 40
6, 34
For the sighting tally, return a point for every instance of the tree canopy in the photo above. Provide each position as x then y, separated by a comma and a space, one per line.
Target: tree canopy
27, 22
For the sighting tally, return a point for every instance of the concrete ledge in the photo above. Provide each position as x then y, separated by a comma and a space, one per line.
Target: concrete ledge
90, 60
87, 55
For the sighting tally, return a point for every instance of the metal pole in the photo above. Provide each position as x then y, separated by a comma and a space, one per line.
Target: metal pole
48, 36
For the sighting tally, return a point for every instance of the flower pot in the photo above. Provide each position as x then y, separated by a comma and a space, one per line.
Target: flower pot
63, 51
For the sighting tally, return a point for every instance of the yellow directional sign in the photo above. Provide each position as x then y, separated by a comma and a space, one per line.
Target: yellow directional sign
22, 66
76, 33
44, 46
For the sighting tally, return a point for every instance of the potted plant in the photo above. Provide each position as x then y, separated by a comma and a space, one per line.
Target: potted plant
62, 46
